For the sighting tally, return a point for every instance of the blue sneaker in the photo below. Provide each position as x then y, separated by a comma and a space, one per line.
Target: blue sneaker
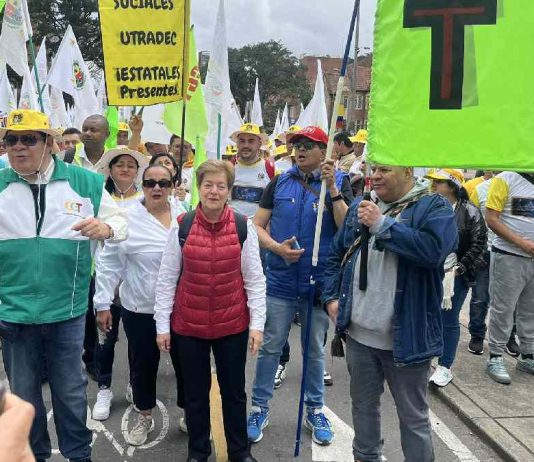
257, 421
320, 427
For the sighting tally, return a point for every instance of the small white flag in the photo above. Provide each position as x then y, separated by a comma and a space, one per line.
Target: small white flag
8, 102
70, 73
257, 115
315, 113
16, 30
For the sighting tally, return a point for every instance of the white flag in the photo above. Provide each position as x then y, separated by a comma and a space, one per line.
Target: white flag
28, 94
8, 102
101, 95
70, 74
315, 113
16, 30
154, 129
276, 130
284, 123
42, 72
58, 111
218, 96
257, 116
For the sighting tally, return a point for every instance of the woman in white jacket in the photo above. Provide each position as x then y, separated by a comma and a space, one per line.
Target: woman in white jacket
136, 261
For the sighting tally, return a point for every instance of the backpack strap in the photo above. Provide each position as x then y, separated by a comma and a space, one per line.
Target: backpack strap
241, 226
270, 168
185, 221
69, 155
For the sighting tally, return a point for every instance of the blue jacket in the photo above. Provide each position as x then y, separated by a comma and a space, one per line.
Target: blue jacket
422, 237
295, 214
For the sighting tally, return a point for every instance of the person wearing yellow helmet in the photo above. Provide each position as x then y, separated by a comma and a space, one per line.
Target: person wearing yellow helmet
282, 160
230, 153
122, 134
461, 267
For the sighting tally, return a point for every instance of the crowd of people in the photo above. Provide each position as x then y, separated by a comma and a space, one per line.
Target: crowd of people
91, 237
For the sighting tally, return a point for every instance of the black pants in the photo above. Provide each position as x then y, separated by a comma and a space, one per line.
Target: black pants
230, 356
90, 340
143, 350
284, 357
104, 354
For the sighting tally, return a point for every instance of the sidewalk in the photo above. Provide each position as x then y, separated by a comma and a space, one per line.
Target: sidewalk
502, 415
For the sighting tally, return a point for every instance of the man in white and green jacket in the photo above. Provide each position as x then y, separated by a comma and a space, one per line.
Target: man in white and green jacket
49, 214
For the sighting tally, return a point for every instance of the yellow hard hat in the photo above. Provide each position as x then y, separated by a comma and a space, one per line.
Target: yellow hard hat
451, 174
250, 129
290, 130
281, 150
123, 127
28, 120
360, 137
231, 150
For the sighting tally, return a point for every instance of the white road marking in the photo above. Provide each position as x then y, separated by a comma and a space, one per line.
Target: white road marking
341, 448
162, 434
451, 440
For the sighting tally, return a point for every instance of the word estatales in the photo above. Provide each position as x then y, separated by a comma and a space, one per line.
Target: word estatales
145, 4
138, 73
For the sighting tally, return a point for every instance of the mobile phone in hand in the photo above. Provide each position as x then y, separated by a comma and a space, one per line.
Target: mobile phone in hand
295, 245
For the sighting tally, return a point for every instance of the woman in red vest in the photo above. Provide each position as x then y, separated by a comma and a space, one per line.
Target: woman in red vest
210, 296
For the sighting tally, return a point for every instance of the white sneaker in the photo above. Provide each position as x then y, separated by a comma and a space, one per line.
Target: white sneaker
281, 374
139, 434
102, 407
129, 393
441, 376
182, 425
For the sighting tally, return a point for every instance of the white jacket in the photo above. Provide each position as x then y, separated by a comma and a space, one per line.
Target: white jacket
136, 261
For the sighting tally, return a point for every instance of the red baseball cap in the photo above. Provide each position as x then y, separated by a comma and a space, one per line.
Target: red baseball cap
312, 133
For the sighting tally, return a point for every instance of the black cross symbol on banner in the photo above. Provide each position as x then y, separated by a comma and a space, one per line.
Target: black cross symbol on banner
448, 19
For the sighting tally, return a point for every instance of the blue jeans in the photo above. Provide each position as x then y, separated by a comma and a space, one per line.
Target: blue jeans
61, 344
280, 314
451, 323
369, 368
478, 308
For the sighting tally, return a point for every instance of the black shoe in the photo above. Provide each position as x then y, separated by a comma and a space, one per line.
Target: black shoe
476, 345
245, 459
327, 379
296, 319
512, 348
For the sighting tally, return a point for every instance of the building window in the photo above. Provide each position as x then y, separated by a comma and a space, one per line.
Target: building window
365, 124
367, 96
359, 101
360, 124
345, 102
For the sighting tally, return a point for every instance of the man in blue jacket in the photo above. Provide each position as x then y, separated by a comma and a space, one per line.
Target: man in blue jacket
288, 208
394, 326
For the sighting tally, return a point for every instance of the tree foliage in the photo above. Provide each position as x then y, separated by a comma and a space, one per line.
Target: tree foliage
51, 18
281, 77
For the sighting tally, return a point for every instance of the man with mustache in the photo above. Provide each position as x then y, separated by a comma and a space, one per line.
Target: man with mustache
252, 172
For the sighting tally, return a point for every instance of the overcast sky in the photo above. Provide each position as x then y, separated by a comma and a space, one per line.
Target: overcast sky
312, 27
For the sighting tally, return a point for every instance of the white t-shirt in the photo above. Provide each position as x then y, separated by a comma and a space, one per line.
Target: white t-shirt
250, 182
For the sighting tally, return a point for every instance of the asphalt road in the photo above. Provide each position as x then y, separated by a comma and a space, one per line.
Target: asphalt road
453, 441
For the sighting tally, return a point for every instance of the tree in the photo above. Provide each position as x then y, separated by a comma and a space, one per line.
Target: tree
282, 77
51, 18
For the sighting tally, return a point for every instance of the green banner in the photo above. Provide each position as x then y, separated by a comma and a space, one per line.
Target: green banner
452, 84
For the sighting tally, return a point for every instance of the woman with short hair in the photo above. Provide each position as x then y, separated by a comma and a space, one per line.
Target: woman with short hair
210, 296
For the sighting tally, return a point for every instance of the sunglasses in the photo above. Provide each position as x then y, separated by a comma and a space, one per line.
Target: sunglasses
26, 140
161, 183
307, 145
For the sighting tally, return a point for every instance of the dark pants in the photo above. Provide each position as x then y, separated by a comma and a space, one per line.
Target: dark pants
60, 343
478, 308
89, 340
284, 357
104, 353
230, 356
451, 323
144, 357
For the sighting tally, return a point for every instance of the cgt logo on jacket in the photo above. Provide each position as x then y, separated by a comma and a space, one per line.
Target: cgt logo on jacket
73, 208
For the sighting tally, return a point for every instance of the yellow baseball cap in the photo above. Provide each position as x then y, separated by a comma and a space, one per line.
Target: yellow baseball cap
451, 174
22, 120
123, 127
360, 137
250, 129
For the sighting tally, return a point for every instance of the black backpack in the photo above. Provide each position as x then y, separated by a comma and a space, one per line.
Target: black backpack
187, 222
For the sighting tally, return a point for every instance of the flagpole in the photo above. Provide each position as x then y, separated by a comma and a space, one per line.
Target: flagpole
185, 62
34, 61
219, 134
318, 227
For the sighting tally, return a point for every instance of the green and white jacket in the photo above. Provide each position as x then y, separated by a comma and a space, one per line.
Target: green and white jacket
45, 266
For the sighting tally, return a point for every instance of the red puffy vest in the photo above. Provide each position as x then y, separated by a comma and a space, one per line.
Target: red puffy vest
210, 298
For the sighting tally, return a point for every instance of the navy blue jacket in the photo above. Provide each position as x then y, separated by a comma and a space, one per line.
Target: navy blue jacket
295, 214
422, 237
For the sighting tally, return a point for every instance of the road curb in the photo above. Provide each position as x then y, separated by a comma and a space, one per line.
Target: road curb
483, 425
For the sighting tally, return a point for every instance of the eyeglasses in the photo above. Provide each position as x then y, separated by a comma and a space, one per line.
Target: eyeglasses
307, 145
26, 140
161, 183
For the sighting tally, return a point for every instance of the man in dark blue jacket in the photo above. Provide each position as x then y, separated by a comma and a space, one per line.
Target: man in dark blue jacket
394, 326
287, 215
